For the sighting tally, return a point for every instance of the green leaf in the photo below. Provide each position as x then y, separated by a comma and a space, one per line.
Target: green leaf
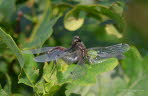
50, 73
61, 71
132, 64
91, 72
7, 87
105, 86
61, 8
30, 71
8, 40
119, 23
40, 87
89, 10
145, 64
46, 88
24, 79
72, 23
3, 67
135, 68
53, 90
43, 30
111, 30
74, 20
118, 86
5, 7
3, 92
118, 7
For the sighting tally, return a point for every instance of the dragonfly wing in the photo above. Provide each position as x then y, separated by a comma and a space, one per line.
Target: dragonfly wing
42, 58
70, 58
56, 54
36, 51
109, 52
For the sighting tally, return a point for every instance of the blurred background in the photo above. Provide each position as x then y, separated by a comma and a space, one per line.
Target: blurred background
39, 23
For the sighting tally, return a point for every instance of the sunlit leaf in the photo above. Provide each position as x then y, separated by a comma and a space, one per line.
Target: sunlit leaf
97, 11
111, 30
73, 23
74, 19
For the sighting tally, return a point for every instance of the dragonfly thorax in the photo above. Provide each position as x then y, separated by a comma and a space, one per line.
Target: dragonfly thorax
78, 45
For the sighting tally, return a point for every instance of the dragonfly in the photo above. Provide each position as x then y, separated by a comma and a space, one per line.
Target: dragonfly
78, 53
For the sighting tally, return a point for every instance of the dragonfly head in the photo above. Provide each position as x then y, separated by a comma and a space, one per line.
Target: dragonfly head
76, 39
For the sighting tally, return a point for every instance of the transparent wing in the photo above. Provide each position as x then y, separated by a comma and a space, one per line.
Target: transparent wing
36, 51
99, 53
54, 55
70, 58
111, 51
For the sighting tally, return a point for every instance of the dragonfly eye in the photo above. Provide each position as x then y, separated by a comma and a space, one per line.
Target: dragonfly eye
77, 39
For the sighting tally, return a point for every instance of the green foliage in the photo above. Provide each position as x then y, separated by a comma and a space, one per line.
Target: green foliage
7, 39
2, 92
5, 7
131, 82
29, 72
43, 23
75, 17
43, 30
91, 71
